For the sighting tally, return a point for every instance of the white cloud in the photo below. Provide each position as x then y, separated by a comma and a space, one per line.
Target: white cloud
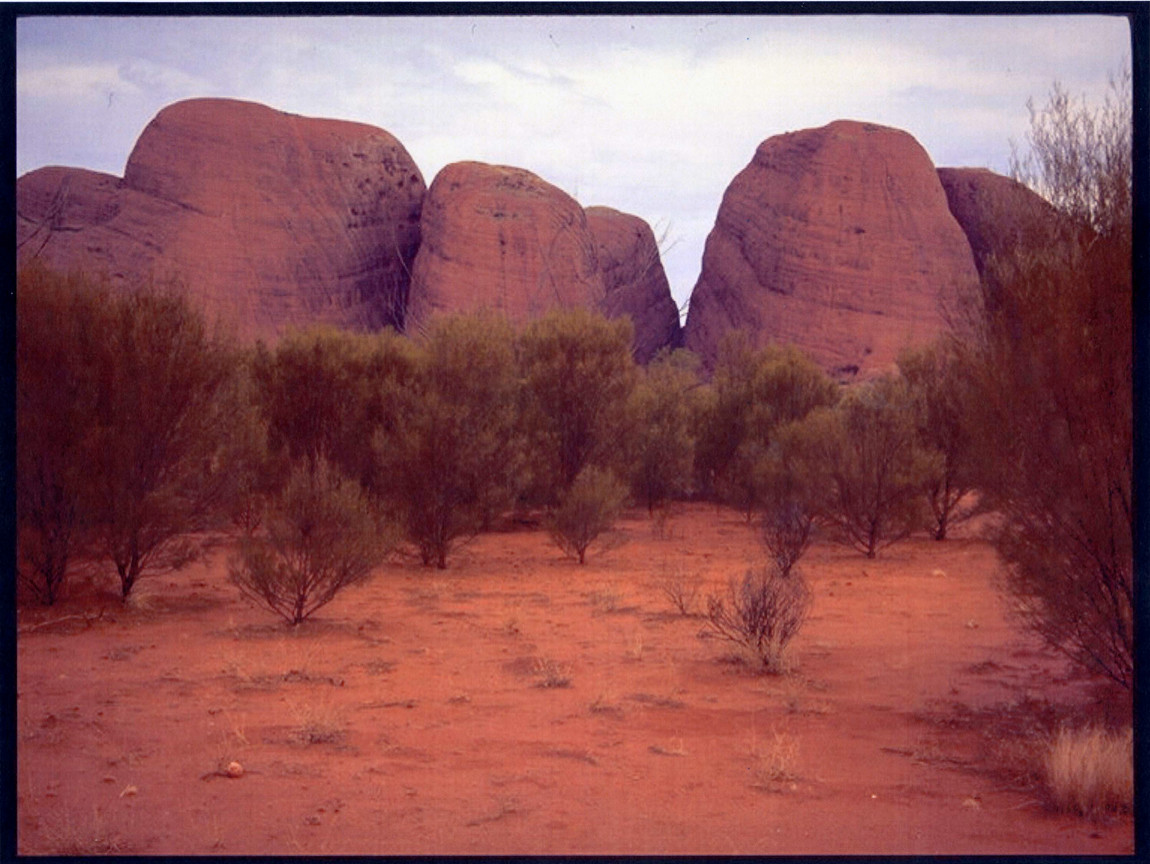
72, 81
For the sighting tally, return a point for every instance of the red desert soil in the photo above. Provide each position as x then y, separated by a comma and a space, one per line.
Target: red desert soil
413, 714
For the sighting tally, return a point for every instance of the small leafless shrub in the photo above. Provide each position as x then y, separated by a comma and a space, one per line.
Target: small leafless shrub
761, 613
786, 532
682, 590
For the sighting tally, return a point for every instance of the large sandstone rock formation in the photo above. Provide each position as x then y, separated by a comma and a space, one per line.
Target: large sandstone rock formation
837, 240
636, 285
505, 240
999, 215
270, 220
501, 239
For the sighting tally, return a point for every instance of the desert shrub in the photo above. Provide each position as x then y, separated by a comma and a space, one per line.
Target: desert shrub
761, 613
577, 374
790, 479
324, 393
587, 509
754, 392
452, 463
662, 413
254, 471
1049, 355
1091, 771
155, 472
875, 468
681, 590
323, 534
936, 386
786, 530
56, 323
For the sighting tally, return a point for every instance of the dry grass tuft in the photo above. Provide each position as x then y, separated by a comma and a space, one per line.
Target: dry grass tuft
773, 760
1091, 771
550, 674
72, 837
317, 723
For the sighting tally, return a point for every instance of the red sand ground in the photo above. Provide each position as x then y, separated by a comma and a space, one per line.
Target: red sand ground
409, 717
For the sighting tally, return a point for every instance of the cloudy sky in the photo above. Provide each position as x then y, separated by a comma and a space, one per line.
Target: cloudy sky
650, 115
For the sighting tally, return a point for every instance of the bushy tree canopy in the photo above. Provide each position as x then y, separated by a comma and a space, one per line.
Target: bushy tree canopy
451, 462
1050, 360
577, 376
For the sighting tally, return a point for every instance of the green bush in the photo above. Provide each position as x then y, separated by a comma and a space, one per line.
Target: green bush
453, 462
155, 471
56, 325
1049, 356
323, 535
577, 374
754, 393
586, 510
662, 411
868, 451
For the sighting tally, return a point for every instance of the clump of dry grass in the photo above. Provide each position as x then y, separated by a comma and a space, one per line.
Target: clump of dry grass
550, 674
773, 760
317, 723
77, 837
1090, 771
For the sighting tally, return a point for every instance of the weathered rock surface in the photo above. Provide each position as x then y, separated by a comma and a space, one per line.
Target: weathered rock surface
270, 220
837, 240
998, 214
635, 282
504, 240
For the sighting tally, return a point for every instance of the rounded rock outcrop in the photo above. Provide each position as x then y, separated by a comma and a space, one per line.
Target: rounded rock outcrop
998, 214
268, 220
837, 240
634, 280
501, 239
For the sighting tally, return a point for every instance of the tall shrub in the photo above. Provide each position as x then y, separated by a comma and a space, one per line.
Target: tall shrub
323, 535
577, 374
154, 473
57, 323
1050, 355
453, 462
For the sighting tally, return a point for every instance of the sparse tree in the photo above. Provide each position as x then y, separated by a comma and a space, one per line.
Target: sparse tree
453, 461
154, 472
869, 449
578, 374
323, 535
1051, 374
56, 324
936, 384
587, 509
